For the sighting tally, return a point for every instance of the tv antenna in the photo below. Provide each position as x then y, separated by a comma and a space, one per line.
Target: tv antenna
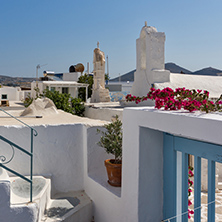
107, 65
37, 68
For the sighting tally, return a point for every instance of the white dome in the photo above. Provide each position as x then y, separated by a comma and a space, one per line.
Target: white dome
147, 29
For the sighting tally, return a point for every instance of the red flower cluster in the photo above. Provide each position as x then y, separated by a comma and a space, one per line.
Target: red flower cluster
190, 100
190, 184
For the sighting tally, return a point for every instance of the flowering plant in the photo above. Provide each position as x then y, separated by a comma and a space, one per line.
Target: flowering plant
190, 184
179, 98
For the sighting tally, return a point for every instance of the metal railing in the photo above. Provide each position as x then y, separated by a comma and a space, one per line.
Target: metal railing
4, 160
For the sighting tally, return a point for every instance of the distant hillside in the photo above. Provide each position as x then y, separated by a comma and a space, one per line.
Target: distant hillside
173, 68
207, 71
125, 77
15, 81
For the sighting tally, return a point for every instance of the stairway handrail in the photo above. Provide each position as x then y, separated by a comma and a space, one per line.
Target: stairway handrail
33, 132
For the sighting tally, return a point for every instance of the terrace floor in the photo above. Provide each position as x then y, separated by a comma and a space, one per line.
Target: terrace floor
218, 206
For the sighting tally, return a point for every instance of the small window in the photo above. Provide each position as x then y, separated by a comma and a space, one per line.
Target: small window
53, 89
4, 96
4, 103
65, 90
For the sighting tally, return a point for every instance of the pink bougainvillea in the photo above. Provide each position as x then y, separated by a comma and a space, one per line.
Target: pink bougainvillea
179, 98
190, 184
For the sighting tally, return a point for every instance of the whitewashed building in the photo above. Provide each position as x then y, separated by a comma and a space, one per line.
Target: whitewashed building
8, 94
150, 68
62, 82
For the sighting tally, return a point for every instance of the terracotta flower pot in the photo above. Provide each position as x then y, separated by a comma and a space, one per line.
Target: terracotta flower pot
114, 172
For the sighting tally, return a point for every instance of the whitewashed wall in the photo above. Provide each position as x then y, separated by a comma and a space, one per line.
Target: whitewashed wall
70, 154
13, 93
33, 86
71, 76
142, 168
102, 113
106, 199
58, 153
143, 129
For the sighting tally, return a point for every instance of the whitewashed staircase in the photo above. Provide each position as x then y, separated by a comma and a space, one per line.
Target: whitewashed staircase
15, 205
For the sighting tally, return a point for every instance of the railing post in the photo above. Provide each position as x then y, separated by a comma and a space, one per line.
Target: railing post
211, 191
169, 177
185, 186
31, 168
197, 189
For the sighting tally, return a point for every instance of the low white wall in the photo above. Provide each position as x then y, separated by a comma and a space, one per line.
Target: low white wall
142, 169
102, 113
58, 152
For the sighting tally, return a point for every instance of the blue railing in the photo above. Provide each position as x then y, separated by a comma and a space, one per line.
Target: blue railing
13, 145
176, 151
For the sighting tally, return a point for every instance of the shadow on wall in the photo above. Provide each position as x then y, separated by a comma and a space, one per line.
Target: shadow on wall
96, 157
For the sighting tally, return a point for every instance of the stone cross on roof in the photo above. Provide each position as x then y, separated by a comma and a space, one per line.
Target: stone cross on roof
97, 44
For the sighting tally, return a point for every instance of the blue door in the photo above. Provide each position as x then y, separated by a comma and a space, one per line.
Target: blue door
176, 151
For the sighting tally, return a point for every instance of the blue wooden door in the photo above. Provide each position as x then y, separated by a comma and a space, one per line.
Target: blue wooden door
176, 151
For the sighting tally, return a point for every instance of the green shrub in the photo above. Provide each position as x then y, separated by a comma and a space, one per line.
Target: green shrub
28, 100
62, 101
88, 79
78, 106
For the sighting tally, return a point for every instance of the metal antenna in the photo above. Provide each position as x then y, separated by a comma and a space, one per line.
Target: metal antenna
107, 65
37, 68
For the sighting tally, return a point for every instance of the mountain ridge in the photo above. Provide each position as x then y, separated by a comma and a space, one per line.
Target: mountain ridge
173, 68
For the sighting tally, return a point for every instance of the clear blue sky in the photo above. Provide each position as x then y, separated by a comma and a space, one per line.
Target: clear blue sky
65, 32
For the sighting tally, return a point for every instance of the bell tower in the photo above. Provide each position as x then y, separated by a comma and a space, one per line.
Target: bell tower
150, 65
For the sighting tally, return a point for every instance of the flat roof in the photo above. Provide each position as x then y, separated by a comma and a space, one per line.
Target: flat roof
213, 84
65, 83
60, 118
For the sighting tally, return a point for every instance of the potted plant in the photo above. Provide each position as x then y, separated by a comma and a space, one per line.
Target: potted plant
111, 141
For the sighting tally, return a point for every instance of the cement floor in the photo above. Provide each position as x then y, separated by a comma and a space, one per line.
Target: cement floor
204, 208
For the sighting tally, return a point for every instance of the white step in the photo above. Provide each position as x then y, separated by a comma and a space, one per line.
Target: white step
17, 212
20, 192
69, 207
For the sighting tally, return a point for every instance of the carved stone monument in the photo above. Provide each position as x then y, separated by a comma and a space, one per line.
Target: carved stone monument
100, 93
